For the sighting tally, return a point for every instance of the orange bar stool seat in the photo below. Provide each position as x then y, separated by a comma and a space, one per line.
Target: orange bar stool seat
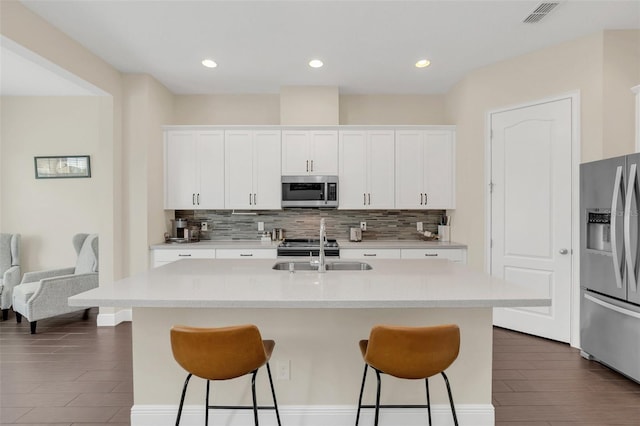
409, 353
222, 354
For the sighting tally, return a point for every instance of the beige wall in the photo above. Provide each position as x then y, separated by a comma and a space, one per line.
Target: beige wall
392, 109
579, 65
147, 106
48, 212
621, 71
226, 109
309, 105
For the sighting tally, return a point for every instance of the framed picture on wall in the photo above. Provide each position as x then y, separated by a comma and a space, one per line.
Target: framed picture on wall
63, 166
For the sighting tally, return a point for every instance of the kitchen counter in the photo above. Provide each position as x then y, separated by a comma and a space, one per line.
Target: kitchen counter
215, 283
255, 244
316, 320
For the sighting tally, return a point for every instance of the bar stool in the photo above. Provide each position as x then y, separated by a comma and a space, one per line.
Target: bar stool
221, 354
409, 353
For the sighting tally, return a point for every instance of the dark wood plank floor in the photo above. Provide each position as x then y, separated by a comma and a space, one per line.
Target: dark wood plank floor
538, 382
76, 374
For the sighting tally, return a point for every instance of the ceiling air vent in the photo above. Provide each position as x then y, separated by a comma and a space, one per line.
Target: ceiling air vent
542, 10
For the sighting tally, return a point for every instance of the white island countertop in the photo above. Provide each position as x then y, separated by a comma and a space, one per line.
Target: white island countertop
217, 283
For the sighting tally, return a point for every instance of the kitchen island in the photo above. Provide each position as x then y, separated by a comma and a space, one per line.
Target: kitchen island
316, 320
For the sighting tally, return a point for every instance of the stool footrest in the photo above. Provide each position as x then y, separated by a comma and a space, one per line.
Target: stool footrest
395, 406
240, 407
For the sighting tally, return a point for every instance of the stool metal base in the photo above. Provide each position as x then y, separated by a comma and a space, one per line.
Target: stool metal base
255, 407
377, 406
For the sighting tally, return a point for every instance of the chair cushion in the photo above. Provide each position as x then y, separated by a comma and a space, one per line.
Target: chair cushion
88, 256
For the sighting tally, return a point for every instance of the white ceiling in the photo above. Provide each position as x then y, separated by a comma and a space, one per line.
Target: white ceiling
367, 46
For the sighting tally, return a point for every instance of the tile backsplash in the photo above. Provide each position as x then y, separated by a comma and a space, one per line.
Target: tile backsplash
304, 223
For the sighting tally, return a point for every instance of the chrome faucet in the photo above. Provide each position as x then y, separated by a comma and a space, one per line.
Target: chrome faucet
322, 267
321, 263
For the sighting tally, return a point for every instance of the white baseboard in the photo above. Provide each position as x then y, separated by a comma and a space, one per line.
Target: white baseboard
317, 415
111, 320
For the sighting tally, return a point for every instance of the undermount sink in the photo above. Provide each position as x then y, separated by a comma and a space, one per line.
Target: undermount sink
331, 266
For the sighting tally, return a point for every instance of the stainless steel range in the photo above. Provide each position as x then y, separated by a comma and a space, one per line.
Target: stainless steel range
307, 247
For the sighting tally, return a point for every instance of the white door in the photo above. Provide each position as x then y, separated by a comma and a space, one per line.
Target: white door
531, 212
439, 150
180, 170
267, 185
352, 171
410, 169
295, 152
323, 152
239, 169
381, 170
210, 157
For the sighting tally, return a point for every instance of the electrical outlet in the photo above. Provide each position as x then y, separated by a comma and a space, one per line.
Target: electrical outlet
419, 226
363, 226
283, 370
204, 226
260, 226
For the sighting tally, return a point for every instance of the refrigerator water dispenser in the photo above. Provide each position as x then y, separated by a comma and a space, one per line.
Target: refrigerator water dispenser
599, 231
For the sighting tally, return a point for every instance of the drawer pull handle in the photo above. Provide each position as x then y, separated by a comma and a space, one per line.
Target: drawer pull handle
431, 254
184, 255
370, 254
246, 255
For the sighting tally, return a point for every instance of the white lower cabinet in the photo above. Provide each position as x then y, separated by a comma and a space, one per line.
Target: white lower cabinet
363, 253
269, 253
455, 255
162, 257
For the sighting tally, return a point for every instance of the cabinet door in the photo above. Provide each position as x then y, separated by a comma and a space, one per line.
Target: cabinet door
455, 255
239, 170
439, 170
369, 253
409, 169
180, 170
295, 153
381, 170
210, 157
246, 254
267, 187
353, 170
323, 152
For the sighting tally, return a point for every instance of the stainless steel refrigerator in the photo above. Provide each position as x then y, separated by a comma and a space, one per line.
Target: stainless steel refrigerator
610, 263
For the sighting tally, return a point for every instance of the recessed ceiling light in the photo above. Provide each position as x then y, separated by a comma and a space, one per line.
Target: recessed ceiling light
423, 63
209, 63
315, 63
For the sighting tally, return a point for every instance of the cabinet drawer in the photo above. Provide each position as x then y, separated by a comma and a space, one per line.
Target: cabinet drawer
369, 253
246, 253
451, 254
173, 255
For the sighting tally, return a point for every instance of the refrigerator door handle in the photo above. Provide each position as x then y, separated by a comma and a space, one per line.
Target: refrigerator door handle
611, 306
631, 268
614, 222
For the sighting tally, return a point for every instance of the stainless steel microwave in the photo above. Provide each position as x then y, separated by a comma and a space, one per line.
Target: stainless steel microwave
310, 191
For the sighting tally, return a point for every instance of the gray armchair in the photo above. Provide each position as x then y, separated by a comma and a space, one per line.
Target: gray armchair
44, 294
9, 270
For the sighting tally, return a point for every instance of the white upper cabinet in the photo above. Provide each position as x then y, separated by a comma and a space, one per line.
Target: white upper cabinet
366, 169
194, 169
425, 169
309, 152
252, 179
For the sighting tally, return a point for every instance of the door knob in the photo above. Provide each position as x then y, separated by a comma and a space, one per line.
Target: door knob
564, 251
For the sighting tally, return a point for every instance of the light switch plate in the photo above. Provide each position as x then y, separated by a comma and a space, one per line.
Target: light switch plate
419, 227
260, 226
